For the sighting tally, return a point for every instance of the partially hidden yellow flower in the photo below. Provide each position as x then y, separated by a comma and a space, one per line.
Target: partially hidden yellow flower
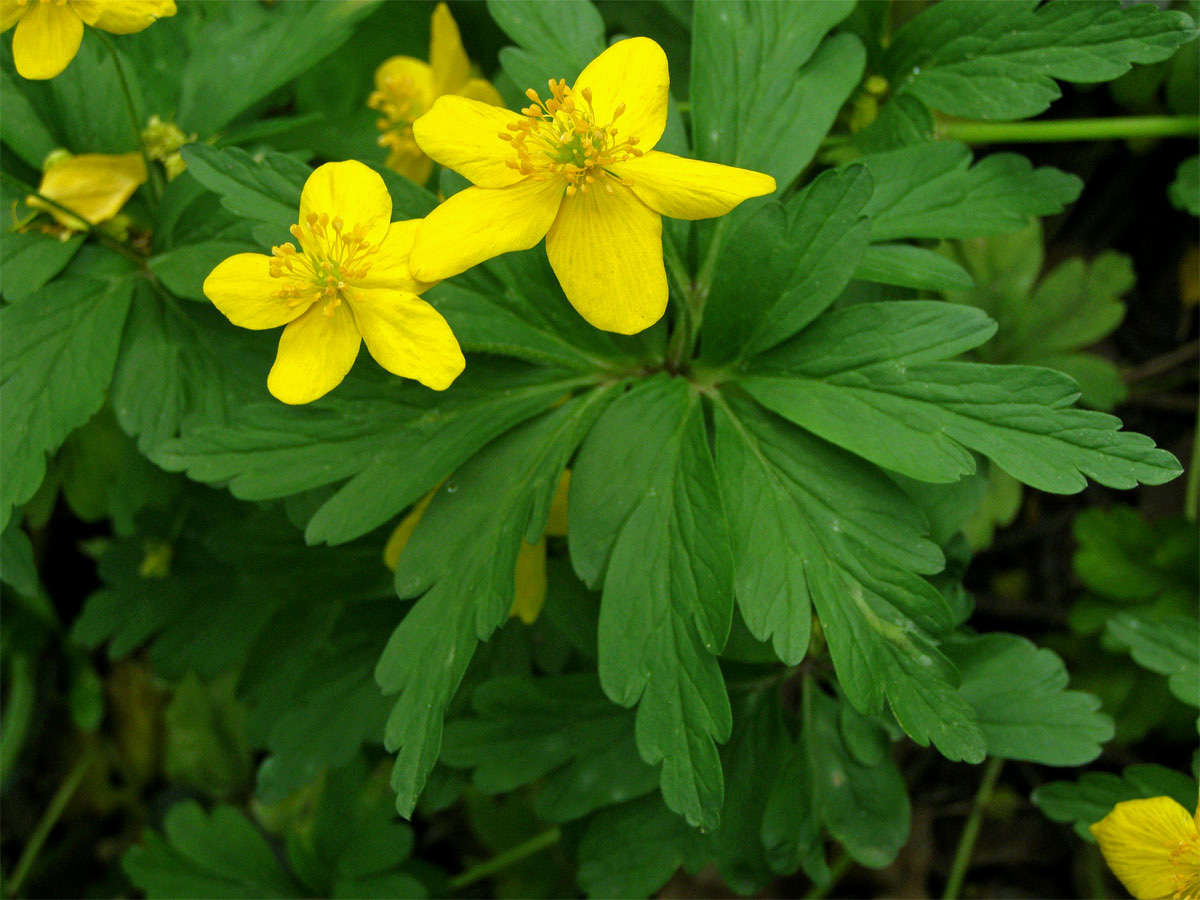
406, 87
94, 185
348, 282
579, 169
1153, 847
529, 595
49, 31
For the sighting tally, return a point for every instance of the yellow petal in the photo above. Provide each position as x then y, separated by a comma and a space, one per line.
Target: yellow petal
1137, 839
242, 288
406, 158
123, 16
479, 223
46, 40
556, 524
389, 266
481, 89
315, 353
408, 84
407, 336
530, 576
464, 135
688, 188
10, 13
350, 190
447, 58
632, 72
606, 250
404, 531
94, 185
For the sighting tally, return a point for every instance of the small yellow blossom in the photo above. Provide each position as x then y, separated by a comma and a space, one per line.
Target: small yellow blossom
94, 185
162, 141
579, 169
529, 593
1153, 847
348, 282
49, 31
406, 87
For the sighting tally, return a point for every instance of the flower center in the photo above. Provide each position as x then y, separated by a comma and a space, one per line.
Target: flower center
562, 137
400, 103
334, 259
1185, 866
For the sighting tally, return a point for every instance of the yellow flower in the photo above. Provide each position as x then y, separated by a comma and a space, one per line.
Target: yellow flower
95, 185
530, 577
348, 282
1153, 847
579, 169
49, 31
405, 88
162, 141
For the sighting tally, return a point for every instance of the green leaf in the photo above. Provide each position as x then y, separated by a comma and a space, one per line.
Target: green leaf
87, 102
563, 730
802, 257
766, 86
221, 79
265, 189
1184, 191
22, 129
930, 190
646, 508
18, 569
30, 259
206, 748
1125, 556
59, 355
631, 850
1170, 647
802, 512
395, 440
1090, 799
220, 854
852, 787
886, 401
1018, 693
914, 267
557, 39
999, 60
463, 556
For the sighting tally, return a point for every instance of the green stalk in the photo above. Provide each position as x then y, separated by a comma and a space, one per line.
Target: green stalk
18, 712
49, 819
1192, 498
970, 832
509, 857
155, 177
1116, 128
836, 872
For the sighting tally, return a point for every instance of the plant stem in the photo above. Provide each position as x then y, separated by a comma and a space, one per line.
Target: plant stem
836, 872
1115, 128
18, 711
154, 176
970, 832
48, 820
1192, 498
503, 860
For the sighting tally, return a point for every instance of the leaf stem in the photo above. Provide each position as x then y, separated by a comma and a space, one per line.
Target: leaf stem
970, 832
154, 176
837, 871
1115, 128
509, 857
18, 712
49, 819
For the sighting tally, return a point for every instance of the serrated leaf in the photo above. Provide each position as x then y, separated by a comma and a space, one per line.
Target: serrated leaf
657, 533
631, 850
765, 88
796, 503
556, 39
1125, 556
220, 854
21, 128
914, 267
463, 556
221, 79
30, 259
1018, 693
562, 730
1170, 647
264, 189
999, 60
59, 355
1090, 799
886, 401
802, 257
931, 190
